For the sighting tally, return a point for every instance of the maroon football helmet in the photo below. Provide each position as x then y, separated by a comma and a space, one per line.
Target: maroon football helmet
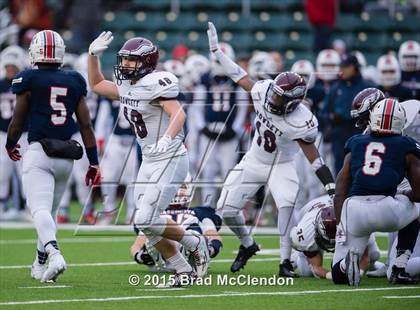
363, 103
144, 52
285, 93
325, 229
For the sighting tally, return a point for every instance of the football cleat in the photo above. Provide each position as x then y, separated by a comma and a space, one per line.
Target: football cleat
286, 269
56, 266
243, 255
37, 270
200, 257
352, 267
400, 276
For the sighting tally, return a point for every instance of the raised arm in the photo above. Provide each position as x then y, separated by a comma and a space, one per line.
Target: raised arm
97, 81
233, 70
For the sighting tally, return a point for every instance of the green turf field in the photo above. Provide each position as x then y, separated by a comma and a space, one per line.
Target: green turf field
99, 268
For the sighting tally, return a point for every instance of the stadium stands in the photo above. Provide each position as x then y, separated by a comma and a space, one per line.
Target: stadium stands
249, 25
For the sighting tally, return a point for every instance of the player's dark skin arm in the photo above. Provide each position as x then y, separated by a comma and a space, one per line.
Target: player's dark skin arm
83, 119
309, 149
19, 117
413, 176
343, 184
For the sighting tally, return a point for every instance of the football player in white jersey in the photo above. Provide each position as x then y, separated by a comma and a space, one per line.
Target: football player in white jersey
283, 127
315, 233
148, 101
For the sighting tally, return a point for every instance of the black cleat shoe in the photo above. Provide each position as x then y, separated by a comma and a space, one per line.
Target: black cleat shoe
243, 255
400, 276
286, 269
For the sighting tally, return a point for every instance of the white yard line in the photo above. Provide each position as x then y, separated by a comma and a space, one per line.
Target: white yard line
161, 289
105, 264
273, 231
190, 296
402, 297
71, 240
47, 286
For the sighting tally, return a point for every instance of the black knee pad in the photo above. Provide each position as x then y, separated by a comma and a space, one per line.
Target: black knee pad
338, 276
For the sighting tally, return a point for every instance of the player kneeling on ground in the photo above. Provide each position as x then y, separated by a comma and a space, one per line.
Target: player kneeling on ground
362, 104
373, 167
315, 234
198, 220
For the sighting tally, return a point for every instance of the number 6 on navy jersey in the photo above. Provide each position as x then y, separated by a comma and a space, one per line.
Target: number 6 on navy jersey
60, 117
373, 162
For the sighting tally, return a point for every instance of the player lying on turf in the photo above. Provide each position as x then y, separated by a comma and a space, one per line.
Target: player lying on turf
366, 200
198, 220
362, 104
315, 234
149, 103
284, 126
48, 97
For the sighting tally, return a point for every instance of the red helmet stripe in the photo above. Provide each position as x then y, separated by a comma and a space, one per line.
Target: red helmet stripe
387, 119
49, 44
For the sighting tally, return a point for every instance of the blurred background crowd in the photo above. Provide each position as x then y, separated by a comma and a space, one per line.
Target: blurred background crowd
339, 46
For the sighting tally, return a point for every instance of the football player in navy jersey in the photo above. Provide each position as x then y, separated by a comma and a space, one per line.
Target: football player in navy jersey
47, 97
222, 107
362, 104
201, 219
13, 60
389, 79
366, 196
409, 58
119, 161
96, 109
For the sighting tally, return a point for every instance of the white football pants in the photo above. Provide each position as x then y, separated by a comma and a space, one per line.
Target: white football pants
44, 181
363, 215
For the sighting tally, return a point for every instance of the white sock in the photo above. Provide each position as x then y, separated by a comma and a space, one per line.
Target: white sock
45, 226
237, 225
179, 263
189, 241
285, 225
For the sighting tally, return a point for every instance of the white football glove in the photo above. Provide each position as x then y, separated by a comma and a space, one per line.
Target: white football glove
97, 47
213, 40
162, 145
